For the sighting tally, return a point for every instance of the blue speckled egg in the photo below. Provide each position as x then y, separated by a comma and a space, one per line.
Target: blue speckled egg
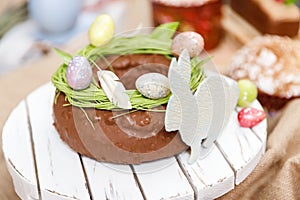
153, 85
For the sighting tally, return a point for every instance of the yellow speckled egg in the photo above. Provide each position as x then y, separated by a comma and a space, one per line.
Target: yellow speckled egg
102, 30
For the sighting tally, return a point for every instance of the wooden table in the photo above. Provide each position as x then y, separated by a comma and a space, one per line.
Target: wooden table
16, 85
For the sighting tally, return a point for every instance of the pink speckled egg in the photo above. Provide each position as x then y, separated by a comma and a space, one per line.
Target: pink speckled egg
79, 73
189, 40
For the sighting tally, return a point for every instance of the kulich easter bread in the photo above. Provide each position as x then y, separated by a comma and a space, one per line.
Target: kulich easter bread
272, 63
201, 16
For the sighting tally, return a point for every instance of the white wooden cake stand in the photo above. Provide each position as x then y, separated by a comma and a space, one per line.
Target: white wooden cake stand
44, 167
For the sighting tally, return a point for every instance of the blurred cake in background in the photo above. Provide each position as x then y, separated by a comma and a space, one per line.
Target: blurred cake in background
280, 17
273, 64
202, 16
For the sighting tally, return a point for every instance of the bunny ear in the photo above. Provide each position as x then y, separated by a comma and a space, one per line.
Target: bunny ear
180, 73
173, 70
184, 66
178, 83
180, 93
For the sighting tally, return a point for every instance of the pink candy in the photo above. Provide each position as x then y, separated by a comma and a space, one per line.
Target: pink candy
249, 117
189, 40
79, 73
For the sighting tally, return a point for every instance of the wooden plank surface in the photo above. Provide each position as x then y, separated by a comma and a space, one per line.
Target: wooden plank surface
163, 179
211, 177
241, 148
18, 152
111, 181
59, 168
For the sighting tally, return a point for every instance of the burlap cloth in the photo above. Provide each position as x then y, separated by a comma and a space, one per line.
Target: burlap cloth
277, 176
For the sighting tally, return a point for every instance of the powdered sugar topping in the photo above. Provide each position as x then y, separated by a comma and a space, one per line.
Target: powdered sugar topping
272, 63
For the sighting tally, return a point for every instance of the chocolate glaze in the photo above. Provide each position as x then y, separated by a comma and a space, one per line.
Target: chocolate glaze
261, 19
132, 138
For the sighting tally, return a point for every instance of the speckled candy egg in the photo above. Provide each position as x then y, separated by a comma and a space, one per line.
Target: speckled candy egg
153, 85
189, 40
79, 73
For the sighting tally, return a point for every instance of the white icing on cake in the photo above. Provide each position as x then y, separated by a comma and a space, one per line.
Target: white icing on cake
266, 58
183, 3
272, 63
